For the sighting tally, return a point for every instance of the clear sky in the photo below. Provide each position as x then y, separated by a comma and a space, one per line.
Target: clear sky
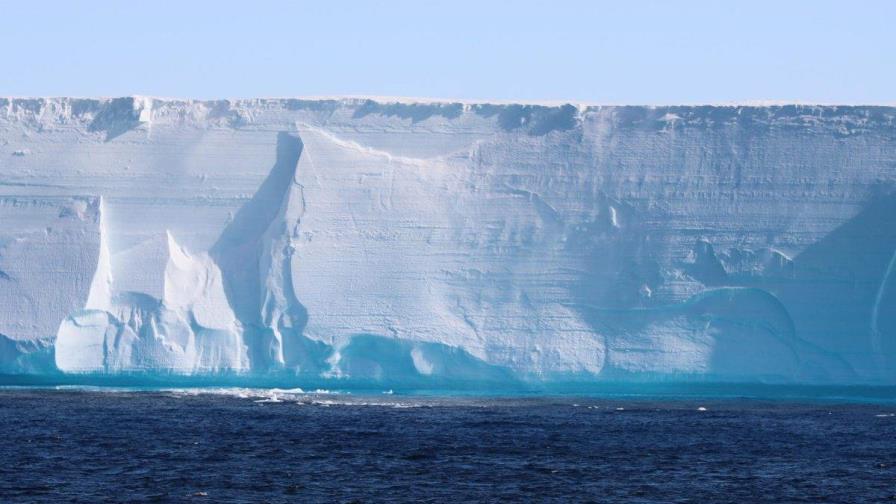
624, 51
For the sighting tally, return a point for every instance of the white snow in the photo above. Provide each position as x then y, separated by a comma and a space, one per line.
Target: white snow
401, 240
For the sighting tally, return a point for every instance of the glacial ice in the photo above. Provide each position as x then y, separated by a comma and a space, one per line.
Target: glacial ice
393, 241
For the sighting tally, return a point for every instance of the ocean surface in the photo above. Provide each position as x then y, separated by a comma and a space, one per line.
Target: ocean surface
243, 445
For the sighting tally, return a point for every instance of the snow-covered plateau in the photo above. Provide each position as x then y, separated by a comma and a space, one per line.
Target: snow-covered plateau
391, 240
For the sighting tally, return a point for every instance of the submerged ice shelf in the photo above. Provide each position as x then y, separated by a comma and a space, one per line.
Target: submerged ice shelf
447, 243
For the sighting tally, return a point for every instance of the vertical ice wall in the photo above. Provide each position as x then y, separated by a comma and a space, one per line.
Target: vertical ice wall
375, 240
48, 251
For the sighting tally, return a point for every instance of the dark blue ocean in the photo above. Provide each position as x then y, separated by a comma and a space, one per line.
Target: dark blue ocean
235, 445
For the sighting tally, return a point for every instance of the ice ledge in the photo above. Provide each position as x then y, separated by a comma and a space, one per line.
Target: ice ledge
141, 108
113, 117
424, 100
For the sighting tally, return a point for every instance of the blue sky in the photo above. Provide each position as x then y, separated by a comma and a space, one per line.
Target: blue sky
632, 51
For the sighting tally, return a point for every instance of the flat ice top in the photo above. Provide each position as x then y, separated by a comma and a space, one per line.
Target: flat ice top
409, 100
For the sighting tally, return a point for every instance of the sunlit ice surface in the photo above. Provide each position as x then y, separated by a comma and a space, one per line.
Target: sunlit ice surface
470, 247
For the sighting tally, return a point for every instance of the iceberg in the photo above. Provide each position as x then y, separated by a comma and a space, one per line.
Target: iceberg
394, 241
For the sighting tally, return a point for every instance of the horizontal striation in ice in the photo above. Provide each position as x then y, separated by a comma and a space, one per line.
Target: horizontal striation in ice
447, 243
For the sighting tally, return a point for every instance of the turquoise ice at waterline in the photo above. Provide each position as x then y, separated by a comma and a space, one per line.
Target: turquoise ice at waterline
364, 243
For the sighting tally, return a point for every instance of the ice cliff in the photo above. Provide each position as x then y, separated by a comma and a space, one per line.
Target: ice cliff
382, 241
